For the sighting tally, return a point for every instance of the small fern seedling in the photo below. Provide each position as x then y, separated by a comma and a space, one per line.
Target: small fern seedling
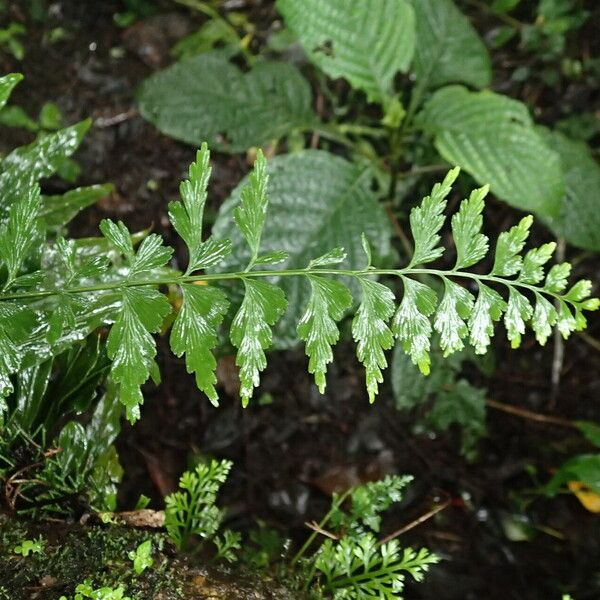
192, 510
90, 293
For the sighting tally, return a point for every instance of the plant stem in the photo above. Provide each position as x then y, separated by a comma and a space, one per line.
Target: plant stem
311, 538
241, 275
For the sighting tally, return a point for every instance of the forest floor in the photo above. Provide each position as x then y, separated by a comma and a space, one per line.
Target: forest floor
294, 448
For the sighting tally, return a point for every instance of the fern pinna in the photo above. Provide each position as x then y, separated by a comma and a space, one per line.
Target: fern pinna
76, 291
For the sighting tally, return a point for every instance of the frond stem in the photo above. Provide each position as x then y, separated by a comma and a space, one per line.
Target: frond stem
240, 275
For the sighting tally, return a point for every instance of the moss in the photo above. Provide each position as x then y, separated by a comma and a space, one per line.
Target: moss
99, 553
73, 554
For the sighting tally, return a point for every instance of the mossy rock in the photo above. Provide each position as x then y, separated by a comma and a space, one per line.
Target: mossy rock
73, 554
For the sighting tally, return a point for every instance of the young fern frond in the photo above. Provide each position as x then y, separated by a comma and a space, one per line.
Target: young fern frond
516, 289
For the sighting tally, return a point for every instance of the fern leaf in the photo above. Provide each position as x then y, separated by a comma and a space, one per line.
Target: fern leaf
328, 302
471, 244
194, 333
488, 309
370, 331
131, 346
251, 333
251, 214
532, 270
20, 232
454, 309
411, 324
508, 259
518, 312
187, 216
427, 219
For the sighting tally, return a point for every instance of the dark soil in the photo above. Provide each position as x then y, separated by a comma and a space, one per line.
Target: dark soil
290, 454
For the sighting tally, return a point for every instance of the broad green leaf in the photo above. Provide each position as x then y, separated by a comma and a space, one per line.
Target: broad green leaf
427, 219
371, 333
214, 101
195, 333
60, 210
328, 302
39, 159
507, 260
7, 83
411, 324
518, 312
579, 218
488, 308
448, 49
584, 468
471, 244
365, 42
454, 309
131, 346
493, 138
251, 334
532, 269
250, 215
317, 201
187, 216
20, 231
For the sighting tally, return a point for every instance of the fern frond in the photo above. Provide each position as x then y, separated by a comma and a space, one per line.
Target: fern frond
517, 289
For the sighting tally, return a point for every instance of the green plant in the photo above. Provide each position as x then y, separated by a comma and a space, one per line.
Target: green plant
30, 546
489, 135
356, 565
85, 590
141, 308
446, 395
192, 510
141, 557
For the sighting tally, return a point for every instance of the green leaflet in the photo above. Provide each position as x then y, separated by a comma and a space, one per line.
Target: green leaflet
493, 138
251, 331
411, 324
518, 312
130, 345
186, 216
370, 331
7, 83
365, 42
218, 103
532, 270
194, 333
151, 254
488, 309
471, 244
450, 317
20, 231
448, 49
510, 243
427, 219
328, 302
250, 215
